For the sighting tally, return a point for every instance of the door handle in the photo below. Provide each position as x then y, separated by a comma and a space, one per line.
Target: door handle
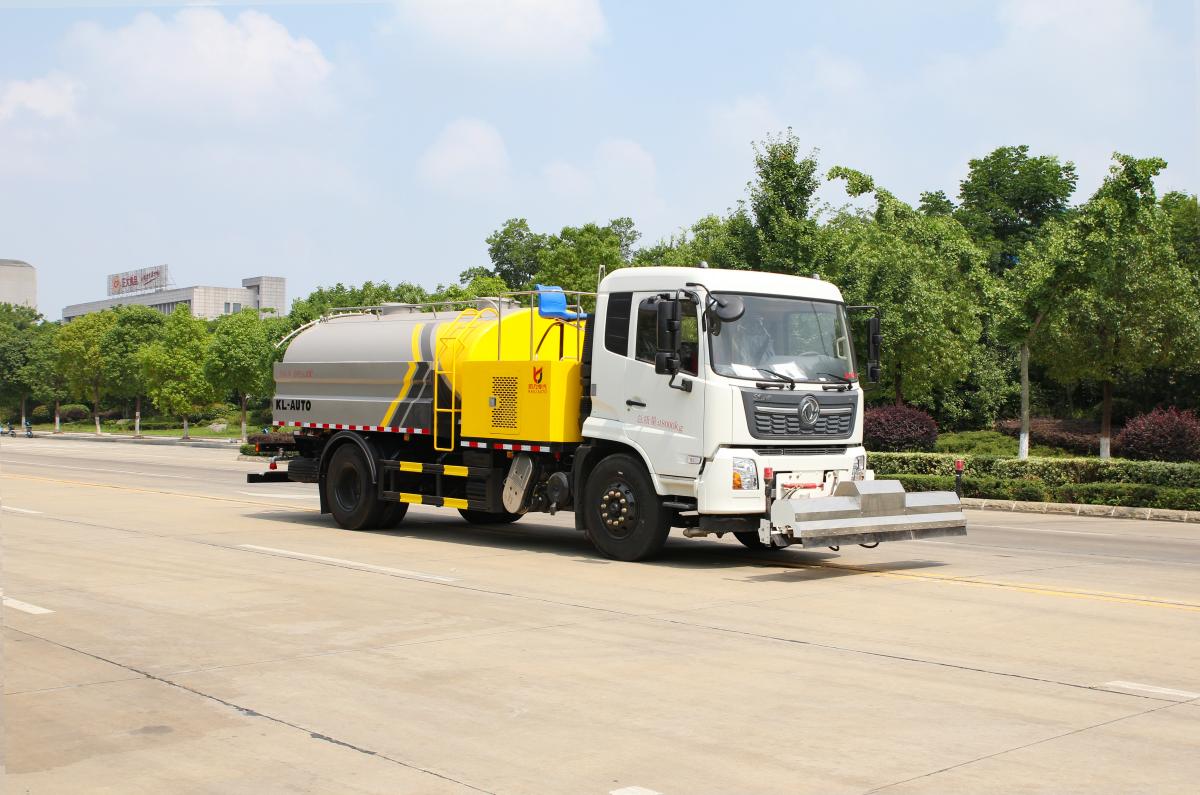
637, 403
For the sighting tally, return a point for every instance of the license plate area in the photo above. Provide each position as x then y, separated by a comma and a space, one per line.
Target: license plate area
801, 485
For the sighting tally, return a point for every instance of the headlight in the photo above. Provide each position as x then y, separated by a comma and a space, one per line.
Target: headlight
745, 474
858, 469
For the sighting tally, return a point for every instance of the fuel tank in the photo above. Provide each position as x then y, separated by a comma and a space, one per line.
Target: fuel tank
379, 370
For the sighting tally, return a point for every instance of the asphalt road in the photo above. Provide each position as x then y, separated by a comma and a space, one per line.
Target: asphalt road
169, 628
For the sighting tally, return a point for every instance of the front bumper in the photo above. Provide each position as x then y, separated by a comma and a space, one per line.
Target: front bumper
863, 512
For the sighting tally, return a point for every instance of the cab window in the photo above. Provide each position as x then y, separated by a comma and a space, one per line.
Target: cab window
646, 343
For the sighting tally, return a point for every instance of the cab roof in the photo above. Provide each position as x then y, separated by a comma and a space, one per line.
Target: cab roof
718, 280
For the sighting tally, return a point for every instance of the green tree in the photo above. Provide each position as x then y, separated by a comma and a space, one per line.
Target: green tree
17, 327
173, 366
927, 277
515, 252
240, 358
1006, 200
936, 203
1184, 212
782, 195
324, 299
84, 357
1007, 197
136, 327
573, 258
1127, 304
43, 369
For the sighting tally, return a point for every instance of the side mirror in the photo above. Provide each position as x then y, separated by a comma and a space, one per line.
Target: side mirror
669, 322
728, 308
874, 344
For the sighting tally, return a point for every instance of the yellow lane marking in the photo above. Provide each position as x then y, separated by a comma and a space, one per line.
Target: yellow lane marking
408, 376
1041, 590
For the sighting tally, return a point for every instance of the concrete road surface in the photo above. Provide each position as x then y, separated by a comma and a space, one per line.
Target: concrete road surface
169, 628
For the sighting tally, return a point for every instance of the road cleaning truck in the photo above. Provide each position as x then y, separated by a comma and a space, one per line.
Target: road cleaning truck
715, 401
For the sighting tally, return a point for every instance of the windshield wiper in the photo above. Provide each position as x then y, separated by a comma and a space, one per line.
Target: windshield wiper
791, 382
843, 382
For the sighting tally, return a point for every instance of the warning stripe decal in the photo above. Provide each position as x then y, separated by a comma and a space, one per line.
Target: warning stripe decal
523, 448
339, 426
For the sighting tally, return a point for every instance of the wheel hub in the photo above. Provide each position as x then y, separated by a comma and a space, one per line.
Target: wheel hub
618, 509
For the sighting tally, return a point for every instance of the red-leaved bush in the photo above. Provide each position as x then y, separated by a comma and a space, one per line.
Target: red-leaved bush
1161, 435
1075, 436
898, 429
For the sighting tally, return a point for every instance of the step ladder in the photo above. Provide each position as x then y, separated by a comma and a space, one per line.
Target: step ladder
450, 343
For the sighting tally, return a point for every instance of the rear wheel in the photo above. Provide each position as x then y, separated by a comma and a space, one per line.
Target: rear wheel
349, 491
393, 514
623, 516
488, 517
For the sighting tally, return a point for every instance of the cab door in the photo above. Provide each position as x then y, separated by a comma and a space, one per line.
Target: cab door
666, 421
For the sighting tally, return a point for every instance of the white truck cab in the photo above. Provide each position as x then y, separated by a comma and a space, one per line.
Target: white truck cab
751, 409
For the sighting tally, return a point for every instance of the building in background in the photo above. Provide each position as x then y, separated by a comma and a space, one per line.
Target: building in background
18, 283
151, 287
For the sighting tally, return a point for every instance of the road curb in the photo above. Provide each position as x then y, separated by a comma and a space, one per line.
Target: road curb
160, 441
1077, 509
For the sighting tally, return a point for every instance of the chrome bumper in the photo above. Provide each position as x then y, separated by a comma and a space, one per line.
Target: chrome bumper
863, 512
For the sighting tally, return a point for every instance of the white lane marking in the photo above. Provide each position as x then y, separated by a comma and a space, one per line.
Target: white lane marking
387, 570
282, 496
102, 469
25, 607
633, 791
17, 510
1162, 691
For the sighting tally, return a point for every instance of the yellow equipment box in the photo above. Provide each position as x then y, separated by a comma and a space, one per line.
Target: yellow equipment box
536, 401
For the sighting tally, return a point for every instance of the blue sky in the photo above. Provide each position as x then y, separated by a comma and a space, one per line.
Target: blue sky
333, 142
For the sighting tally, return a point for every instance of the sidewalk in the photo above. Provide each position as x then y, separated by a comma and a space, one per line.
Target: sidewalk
219, 444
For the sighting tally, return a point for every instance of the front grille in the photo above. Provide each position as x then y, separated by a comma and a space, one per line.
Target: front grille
830, 449
780, 424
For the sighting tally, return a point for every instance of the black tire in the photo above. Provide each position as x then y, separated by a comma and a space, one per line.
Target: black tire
623, 517
392, 515
487, 517
750, 540
350, 492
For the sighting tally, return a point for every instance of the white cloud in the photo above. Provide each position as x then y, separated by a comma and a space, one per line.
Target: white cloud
51, 97
744, 120
201, 65
514, 30
620, 178
468, 159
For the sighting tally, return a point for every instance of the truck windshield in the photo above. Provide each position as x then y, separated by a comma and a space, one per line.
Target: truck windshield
784, 339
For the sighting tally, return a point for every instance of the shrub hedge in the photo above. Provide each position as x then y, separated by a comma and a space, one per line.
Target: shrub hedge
898, 428
1161, 435
1076, 436
1048, 471
1132, 495
74, 412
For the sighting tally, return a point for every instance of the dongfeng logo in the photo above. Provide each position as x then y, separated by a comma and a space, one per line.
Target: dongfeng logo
809, 411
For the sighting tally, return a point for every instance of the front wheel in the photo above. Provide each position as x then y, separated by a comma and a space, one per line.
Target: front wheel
623, 516
750, 540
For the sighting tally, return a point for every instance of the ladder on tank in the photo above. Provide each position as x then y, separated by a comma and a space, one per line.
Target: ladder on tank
450, 345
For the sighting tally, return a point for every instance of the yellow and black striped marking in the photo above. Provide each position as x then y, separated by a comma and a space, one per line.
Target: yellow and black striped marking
451, 470
440, 502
